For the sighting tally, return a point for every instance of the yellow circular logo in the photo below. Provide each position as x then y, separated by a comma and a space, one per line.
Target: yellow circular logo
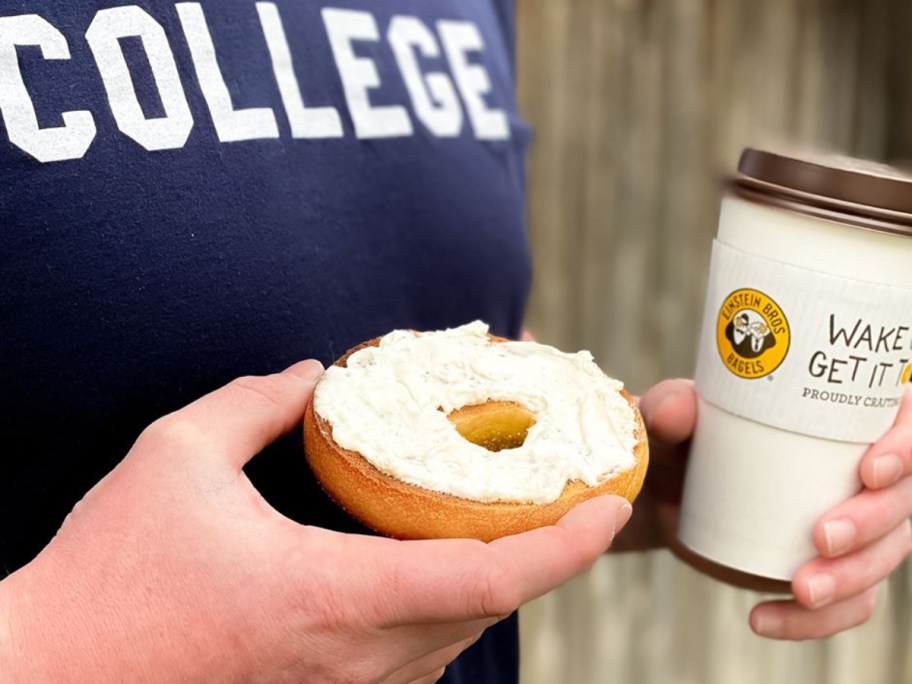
907, 374
752, 334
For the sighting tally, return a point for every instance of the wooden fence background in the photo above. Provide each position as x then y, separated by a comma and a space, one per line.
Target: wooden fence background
640, 107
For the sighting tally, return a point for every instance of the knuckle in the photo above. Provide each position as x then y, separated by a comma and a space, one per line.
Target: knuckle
904, 452
270, 389
907, 537
169, 433
903, 437
895, 547
497, 594
868, 604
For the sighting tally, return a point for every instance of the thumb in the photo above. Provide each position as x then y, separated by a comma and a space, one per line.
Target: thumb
453, 580
670, 411
239, 420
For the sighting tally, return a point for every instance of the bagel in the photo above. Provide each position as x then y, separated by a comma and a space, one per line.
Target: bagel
476, 473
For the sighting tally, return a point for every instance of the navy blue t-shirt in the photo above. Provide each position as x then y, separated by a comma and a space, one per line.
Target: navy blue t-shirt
194, 191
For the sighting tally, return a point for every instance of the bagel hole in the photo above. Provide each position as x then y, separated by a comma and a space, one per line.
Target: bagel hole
494, 425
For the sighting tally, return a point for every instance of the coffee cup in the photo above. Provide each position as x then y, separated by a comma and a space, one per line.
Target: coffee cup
805, 353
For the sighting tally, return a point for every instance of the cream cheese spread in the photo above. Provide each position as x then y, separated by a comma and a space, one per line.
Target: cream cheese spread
390, 404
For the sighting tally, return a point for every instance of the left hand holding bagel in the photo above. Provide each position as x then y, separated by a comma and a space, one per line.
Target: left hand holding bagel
861, 541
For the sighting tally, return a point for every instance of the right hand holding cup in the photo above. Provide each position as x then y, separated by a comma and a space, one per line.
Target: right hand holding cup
860, 542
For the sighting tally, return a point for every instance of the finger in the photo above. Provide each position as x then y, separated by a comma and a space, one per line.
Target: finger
825, 581
237, 421
431, 665
792, 621
541, 560
670, 410
863, 519
890, 458
526, 336
453, 580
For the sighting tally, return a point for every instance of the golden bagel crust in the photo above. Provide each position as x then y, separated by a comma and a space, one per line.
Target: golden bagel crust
405, 511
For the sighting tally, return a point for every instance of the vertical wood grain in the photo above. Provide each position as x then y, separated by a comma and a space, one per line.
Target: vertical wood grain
640, 107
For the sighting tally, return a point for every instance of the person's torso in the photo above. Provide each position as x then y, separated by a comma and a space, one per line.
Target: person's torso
195, 191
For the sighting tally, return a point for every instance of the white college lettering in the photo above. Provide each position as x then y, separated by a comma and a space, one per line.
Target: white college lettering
306, 122
444, 119
359, 75
108, 27
56, 143
231, 125
440, 99
460, 38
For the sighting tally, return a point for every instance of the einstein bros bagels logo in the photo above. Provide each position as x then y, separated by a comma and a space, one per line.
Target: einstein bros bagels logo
752, 334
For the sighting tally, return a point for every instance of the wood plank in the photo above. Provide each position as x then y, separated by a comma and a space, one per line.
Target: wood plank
640, 107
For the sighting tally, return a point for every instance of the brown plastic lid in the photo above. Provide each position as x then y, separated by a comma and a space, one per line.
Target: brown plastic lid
833, 187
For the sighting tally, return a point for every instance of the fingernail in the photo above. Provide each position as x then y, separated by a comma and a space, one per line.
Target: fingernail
821, 588
306, 370
769, 626
623, 515
839, 536
887, 470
